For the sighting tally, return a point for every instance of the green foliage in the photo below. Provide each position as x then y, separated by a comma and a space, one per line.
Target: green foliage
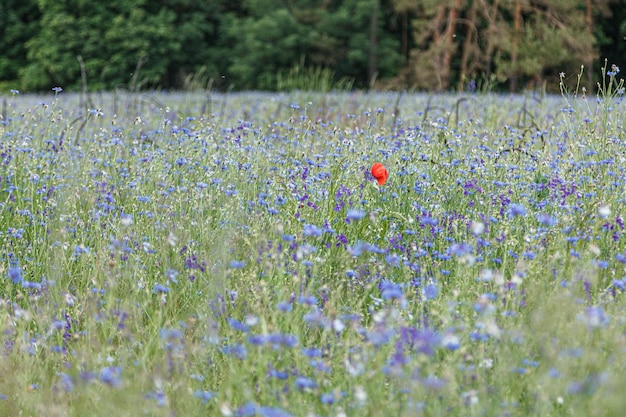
114, 39
247, 45
18, 23
266, 45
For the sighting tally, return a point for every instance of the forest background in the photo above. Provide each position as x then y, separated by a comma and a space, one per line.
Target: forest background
434, 45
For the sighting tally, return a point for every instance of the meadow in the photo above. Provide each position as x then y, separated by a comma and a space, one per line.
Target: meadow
192, 254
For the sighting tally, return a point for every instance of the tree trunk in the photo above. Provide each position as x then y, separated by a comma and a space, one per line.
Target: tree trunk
517, 30
589, 61
405, 35
372, 68
447, 45
490, 12
467, 45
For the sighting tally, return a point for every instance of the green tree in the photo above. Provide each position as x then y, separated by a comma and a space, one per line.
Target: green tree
548, 37
113, 38
356, 40
205, 50
18, 23
266, 45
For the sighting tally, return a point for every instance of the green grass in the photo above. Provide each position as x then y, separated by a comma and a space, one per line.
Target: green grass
164, 261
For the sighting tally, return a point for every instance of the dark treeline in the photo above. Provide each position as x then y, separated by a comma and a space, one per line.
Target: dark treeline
254, 44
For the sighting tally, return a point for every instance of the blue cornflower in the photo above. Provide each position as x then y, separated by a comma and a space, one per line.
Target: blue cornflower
239, 351
312, 352
205, 396
278, 340
355, 214
393, 259
272, 412
451, 341
595, 317
237, 264
429, 221
81, 249
67, 383
159, 396
309, 300
430, 291
280, 375
316, 318
379, 337
311, 230
112, 376
160, 289
303, 383
460, 249
171, 334
247, 410
15, 274
285, 306
516, 210
390, 290
237, 325
545, 219
32, 285
359, 248
327, 398
171, 275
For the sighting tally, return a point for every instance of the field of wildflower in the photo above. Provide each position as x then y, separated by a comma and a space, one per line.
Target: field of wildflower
301, 254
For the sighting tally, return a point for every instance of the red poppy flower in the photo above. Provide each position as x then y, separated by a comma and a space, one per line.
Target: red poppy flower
380, 173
